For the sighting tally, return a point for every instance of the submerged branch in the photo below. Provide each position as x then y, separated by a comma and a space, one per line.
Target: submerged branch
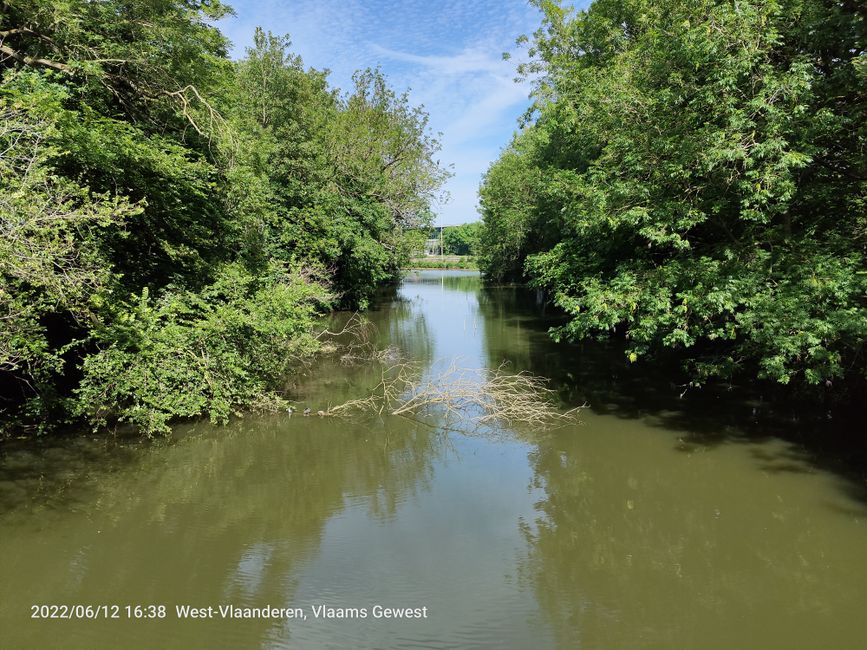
480, 395
355, 342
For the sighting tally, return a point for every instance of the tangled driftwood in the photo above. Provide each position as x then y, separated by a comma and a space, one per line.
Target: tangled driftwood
355, 342
482, 395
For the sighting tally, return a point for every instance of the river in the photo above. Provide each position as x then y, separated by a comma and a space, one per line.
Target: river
656, 521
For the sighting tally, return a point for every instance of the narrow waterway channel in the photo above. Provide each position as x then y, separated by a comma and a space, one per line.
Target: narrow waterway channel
657, 521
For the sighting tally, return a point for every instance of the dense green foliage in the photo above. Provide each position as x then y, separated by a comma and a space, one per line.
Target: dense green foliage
173, 221
462, 240
232, 343
693, 175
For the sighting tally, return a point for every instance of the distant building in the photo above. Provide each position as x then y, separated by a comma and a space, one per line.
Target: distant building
433, 246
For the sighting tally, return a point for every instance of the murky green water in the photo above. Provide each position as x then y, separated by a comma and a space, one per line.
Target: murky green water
655, 523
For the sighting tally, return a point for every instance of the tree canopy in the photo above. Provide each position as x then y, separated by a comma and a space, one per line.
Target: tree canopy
692, 175
462, 240
174, 220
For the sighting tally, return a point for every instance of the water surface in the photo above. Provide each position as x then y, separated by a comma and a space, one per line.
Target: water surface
657, 522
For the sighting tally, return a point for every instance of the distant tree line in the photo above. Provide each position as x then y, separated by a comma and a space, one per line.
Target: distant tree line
173, 221
457, 240
692, 175
462, 240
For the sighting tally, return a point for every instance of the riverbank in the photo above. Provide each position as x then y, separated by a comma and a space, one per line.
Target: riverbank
445, 262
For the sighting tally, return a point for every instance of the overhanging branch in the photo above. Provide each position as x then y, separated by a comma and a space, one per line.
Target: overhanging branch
35, 61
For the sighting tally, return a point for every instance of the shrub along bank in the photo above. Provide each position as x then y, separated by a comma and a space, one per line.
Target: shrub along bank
174, 221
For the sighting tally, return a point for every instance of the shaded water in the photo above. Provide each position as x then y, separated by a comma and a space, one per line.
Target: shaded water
656, 522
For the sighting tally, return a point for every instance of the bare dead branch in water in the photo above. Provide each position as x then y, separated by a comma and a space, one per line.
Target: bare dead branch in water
355, 342
481, 395
478, 395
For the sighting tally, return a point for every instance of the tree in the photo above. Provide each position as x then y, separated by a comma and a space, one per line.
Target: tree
703, 183
160, 201
461, 240
50, 260
342, 181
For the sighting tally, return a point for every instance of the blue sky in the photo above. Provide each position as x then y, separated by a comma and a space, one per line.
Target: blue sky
448, 53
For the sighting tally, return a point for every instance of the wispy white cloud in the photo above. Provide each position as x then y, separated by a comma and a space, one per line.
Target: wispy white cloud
473, 100
470, 60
